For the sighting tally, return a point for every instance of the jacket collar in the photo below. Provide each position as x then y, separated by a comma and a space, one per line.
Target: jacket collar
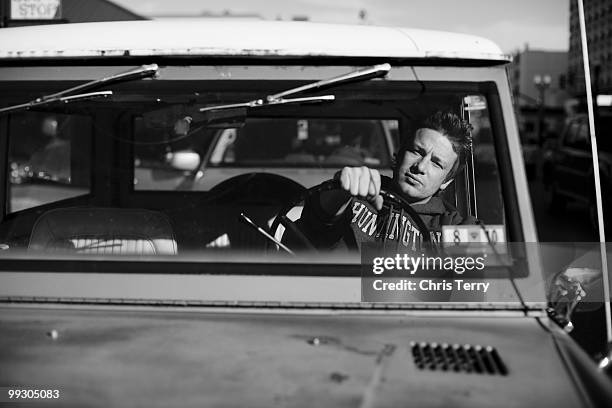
434, 206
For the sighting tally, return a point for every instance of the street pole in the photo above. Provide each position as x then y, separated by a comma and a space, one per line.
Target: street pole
541, 82
541, 117
602, 235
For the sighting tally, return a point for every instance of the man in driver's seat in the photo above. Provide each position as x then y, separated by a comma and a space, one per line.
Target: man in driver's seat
426, 164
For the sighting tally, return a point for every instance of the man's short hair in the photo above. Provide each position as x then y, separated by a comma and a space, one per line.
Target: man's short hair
456, 130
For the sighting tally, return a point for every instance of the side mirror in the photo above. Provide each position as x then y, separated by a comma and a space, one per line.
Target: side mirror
573, 289
183, 160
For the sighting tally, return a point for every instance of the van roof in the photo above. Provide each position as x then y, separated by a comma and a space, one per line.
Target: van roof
226, 38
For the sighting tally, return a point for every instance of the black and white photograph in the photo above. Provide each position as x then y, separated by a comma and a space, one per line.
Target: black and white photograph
305, 203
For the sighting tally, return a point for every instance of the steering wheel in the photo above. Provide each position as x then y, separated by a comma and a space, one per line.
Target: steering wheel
388, 190
257, 187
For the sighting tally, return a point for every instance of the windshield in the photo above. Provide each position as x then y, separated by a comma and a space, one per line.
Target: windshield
157, 172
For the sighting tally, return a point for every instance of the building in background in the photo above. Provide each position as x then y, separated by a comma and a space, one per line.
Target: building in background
14, 13
539, 86
598, 18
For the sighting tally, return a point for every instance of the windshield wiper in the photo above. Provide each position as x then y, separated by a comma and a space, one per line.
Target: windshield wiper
355, 76
70, 94
281, 97
260, 102
65, 99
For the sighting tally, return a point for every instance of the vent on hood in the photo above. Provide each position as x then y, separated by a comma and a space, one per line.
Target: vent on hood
457, 358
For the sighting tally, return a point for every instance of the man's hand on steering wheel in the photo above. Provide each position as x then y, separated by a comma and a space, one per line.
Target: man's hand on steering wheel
368, 184
361, 182
334, 196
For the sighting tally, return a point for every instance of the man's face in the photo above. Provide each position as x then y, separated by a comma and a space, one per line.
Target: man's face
425, 165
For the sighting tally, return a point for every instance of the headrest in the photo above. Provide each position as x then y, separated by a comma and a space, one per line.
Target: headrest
92, 230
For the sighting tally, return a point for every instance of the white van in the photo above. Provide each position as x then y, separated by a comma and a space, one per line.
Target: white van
143, 165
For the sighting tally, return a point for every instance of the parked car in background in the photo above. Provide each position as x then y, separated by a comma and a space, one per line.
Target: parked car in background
568, 166
306, 151
138, 267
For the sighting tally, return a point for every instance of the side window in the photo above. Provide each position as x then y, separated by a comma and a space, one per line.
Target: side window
165, 159
487, 193
306, 142
49, 158
167, 150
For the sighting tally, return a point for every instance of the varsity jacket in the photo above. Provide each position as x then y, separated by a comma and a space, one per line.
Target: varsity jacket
361, 222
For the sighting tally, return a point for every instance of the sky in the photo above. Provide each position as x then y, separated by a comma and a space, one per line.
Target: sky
543, 24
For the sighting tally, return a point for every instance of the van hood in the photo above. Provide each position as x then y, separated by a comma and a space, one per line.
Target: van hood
196, 358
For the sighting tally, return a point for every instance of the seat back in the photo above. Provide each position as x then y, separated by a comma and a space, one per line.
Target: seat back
94, 230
